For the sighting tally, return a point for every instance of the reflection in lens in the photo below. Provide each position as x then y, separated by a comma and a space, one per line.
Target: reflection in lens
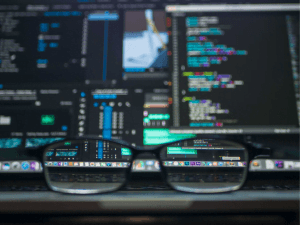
86, 166
205, 166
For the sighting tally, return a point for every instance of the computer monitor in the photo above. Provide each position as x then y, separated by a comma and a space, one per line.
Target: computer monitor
85, 68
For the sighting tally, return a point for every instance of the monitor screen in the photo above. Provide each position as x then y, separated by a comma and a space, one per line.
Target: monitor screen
234, 68
145, 72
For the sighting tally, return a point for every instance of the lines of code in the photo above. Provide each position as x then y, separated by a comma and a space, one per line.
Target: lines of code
225, 78
201, 50
203, 110
204, 49
208, 80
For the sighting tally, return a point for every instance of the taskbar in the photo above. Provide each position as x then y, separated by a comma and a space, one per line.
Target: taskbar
21, 166
87, 164
148, 165
204, 164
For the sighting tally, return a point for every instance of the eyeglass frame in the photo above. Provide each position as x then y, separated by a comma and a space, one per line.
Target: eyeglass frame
136, 151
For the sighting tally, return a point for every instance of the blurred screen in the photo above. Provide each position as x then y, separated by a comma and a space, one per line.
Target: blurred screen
107, 69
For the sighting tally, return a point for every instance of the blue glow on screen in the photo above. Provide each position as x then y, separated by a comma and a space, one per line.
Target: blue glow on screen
68, 153
10, 142
37, 142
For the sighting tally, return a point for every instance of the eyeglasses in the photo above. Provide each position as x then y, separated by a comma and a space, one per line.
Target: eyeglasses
93, 166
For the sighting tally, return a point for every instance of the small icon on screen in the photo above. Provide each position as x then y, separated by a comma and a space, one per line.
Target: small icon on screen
288, 164
33, 165
140, 165
15, 166
6, 166
279, 164
256, 163
198, 163
64, 128
47, 119
186, 163
193, 163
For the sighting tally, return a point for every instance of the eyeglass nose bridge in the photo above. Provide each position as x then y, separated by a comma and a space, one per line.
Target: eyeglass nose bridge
147, 155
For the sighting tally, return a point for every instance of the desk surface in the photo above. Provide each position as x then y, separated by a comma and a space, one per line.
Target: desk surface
150, 202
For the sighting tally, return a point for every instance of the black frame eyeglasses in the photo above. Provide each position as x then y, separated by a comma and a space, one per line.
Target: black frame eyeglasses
198, 165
